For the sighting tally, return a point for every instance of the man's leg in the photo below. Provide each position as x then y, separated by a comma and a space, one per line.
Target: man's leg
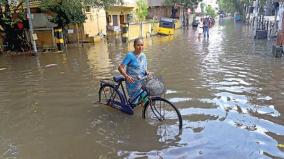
208, 32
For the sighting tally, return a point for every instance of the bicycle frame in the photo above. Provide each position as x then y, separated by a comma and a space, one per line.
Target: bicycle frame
125, 104
128, 102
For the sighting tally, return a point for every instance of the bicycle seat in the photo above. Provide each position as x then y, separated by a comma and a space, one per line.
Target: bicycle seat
118, 78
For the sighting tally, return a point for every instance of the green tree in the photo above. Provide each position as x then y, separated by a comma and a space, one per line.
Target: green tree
66, 11
210, 11
72, 11
185, 3
11, 16
102, 3
142, 10
227, 6
231, 6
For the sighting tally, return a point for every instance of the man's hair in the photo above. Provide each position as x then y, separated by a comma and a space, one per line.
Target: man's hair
137, 40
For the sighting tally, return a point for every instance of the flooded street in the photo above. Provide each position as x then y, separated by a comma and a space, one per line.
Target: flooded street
229, 90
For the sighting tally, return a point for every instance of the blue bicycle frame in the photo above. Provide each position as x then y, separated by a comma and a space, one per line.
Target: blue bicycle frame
124, 105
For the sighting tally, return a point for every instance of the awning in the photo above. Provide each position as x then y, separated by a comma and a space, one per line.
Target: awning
40, 20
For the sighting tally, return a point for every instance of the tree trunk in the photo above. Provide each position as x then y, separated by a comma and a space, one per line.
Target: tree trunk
255, 17
77, 33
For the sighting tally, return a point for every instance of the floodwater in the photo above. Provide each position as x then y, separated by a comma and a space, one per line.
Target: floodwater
229, 90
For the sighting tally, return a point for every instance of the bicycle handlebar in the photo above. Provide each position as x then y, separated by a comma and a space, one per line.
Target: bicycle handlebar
144, 77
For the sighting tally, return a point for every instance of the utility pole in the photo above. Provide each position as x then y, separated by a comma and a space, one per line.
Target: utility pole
31, 26
255, 12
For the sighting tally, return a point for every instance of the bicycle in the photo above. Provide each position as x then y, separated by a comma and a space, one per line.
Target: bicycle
155, 108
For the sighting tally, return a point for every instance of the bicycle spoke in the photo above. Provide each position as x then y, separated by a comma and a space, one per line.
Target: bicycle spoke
105, 95
155, 112
163, 112
163, 115
109, 95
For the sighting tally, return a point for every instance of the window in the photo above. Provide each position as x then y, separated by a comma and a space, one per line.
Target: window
129, 18
88, 8
109, 19
115, 20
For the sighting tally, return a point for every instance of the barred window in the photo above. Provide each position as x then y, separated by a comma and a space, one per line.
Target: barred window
88, 8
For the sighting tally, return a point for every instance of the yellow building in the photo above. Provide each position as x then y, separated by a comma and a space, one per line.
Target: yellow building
125, 14
95, 23
91, 30
118, 15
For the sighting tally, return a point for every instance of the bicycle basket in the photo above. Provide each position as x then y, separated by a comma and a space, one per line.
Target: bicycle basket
154, 86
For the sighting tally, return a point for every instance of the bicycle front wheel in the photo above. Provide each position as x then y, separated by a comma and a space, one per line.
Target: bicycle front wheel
160, 111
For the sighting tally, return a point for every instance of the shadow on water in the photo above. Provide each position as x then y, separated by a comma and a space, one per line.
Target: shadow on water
228, 89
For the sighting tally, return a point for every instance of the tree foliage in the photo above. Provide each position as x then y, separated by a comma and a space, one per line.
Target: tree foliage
227, 6
11, 15
210, 11
72, 11
102, 3
231, 6
185, 3
66, 11
142, 10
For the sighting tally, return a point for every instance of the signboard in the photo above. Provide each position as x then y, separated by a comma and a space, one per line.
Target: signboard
34, 36
70, 31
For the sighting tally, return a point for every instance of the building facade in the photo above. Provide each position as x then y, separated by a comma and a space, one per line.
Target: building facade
91, 30
158, 9
118, 15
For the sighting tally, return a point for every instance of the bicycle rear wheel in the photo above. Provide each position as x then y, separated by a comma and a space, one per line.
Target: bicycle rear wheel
108, 95
160, 111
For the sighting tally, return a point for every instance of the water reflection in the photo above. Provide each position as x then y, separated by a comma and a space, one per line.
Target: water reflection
99, 60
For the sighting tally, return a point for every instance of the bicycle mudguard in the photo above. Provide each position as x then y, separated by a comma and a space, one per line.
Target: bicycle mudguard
106, 81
